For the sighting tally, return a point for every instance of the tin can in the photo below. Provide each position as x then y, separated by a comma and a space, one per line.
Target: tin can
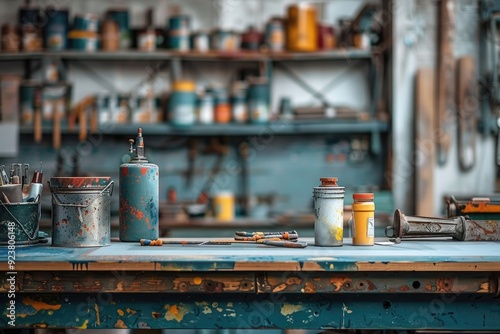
239, 108
121, 17
86, 21
182, 103
259, 100
139, 196
10, 38
302, 30
146, 39
103, 110
363, 219
200, 41
179, 30
222, 112
224, 40
206, 108
110, 36
82, 40
326, 37
275, 34
28, 92
31, 39
23, 220
251, 39
328, 213
224, 206
56, 30
81, 211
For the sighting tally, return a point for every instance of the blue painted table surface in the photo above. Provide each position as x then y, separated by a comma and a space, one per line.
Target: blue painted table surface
432, 284
429, 255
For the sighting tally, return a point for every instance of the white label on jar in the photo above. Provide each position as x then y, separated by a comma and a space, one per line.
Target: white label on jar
184, 114
206, 113
240, 113
370, 232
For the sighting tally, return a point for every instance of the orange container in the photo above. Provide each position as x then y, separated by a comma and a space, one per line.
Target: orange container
363, 221
302, 30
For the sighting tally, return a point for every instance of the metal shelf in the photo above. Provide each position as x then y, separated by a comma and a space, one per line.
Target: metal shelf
276, 128
135, 55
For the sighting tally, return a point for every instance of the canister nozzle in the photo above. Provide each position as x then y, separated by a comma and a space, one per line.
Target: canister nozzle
139, 147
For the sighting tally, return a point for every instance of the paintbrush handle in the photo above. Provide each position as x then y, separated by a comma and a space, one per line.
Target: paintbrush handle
284, 243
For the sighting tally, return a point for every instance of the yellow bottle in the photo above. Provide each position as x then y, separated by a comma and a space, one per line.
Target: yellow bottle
363, 219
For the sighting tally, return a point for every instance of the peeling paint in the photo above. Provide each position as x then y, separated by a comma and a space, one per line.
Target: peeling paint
174, 313
131, 311
485, 287
37, 305
346, 309
84, 325
120, 324
206, 309
120, 312
288, 308
96, 308
230, 304
279, 287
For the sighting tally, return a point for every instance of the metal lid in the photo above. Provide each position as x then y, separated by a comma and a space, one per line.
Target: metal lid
95, 182
363, 196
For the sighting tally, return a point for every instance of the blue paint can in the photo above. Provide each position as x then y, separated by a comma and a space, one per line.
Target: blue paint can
87, 22
179, 31
56, 30
121, 17
258, 97
139, 196
182, 104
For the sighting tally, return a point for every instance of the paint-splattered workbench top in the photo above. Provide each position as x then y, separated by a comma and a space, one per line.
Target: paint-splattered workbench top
430, 255
440, 284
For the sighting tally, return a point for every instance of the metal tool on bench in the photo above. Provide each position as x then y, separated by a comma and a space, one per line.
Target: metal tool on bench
460, 228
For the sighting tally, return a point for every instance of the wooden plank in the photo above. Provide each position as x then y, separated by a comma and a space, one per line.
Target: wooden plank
424, 142
445, 79
468, 105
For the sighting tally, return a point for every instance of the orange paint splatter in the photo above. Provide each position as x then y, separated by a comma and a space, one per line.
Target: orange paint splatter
38, 305
174, 309
147, 219
144, 171
136, 212
80, 232
125, 171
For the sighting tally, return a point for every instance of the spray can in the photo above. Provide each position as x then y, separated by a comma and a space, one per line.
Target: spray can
139, 195
328, 213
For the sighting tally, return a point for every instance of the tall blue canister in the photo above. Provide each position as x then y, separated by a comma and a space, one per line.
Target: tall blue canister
139, 195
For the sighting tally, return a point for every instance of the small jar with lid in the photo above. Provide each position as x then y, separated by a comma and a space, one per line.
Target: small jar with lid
363, 219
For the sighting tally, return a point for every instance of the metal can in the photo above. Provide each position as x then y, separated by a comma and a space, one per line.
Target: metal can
82, 40
86, 21
328, 213
139, 196
10, 38
179, 30
206, 108
302, 29
251, 39
81, 211
222, 112
200, 41
56, 30
224, 206
146, 39
224, 40
121, 17
275, 34
259, 100
182, 103
239, 107
363, 219
110, 36
28, 92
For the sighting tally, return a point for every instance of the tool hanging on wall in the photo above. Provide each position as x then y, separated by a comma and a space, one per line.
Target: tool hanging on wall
467, 105
445, 79
460, 228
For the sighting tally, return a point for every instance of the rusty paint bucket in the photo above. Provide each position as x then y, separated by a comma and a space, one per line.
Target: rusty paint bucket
19, 223
81, 211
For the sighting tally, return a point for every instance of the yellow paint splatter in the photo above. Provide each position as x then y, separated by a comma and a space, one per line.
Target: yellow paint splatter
232, 315
84, 325
485, 287
215, 304
331, 266
197, 280
288, 309
339, 236
229, 304
131, 311
206, 310
96, 308
120, 324
120, 312
219, 309
50, 312
174, 312
38, 305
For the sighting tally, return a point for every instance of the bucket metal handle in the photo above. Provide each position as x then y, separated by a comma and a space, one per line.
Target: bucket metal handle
21, 225
58, 202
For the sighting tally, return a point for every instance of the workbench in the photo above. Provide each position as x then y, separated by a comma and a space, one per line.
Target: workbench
439, 284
